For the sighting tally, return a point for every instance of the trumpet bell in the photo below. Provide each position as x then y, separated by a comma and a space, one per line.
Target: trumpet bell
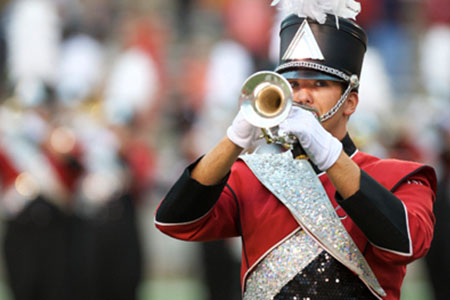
266, 99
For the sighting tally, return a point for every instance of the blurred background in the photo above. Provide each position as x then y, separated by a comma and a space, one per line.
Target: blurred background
104, 102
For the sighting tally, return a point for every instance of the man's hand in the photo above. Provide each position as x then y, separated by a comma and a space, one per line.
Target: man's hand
322, 148
241, 132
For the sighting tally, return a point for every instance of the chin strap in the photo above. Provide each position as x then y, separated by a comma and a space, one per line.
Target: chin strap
352, 84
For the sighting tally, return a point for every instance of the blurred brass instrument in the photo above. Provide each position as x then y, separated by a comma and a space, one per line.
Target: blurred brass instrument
266, 100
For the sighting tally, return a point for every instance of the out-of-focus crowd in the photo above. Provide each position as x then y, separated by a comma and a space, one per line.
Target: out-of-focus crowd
103, 103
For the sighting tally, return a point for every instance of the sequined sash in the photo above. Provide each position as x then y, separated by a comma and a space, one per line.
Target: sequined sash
280, 266
296, 185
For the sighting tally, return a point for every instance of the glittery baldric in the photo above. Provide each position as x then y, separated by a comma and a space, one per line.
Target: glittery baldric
297, 186
281, 265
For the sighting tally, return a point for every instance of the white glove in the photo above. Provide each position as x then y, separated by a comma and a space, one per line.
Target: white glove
241, 132
321, 147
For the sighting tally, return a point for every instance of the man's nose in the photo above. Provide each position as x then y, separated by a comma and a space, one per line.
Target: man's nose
303, 96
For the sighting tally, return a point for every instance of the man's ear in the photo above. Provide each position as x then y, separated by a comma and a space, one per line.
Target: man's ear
351, 103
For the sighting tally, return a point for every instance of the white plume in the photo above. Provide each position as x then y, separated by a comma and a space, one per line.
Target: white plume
317, 9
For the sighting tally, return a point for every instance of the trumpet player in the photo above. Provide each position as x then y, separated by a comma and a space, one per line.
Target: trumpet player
339, 224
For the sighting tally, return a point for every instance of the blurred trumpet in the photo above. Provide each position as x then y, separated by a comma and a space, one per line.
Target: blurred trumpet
266, 100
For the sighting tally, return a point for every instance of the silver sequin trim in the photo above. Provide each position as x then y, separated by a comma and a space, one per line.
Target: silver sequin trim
295, 183
280, 266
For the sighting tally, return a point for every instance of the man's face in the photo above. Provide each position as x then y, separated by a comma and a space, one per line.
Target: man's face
319, 94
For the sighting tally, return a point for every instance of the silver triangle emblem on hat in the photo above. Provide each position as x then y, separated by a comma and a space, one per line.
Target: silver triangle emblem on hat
303, 45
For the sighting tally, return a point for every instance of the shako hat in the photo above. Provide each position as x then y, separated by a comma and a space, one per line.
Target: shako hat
333, 50
318, 41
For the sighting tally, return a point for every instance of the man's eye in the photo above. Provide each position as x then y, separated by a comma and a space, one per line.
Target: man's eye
294, 84
321, 83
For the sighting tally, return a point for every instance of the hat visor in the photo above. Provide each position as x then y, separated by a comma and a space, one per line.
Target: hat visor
308, 74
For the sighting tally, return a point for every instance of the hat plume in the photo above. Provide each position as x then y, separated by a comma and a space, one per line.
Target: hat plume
318, 9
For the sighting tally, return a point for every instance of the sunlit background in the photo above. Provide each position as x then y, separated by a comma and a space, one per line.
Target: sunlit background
104, 102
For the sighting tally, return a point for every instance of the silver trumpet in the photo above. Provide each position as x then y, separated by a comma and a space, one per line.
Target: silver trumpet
266, 100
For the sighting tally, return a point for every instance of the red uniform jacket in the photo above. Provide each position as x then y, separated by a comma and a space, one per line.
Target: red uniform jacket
245, 207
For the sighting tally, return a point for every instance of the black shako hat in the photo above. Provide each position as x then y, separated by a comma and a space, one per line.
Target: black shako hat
310, 50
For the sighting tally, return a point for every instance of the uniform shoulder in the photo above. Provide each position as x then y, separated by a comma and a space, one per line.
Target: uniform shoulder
240, 170
394, 171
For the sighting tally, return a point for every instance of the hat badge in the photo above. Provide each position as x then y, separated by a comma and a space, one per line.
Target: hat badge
303, 45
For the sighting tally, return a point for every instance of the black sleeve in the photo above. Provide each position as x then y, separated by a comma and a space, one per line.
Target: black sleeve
379, 214
188, 199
